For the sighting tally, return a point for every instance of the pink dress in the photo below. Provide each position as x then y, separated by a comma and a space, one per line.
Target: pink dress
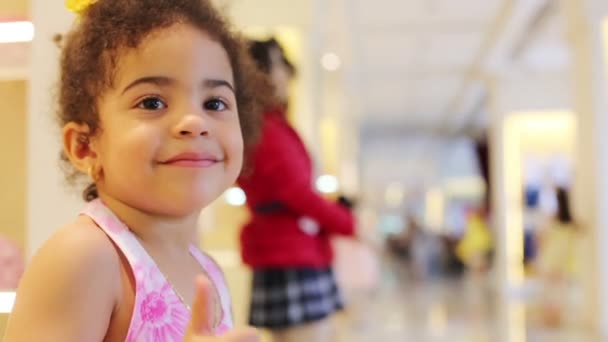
158, 313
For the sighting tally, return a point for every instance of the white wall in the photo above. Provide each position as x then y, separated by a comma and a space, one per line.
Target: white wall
49, 203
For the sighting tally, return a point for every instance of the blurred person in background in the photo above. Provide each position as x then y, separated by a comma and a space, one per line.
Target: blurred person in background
476, 245
532, 221
421, 248
287, 239
475, 250
399, 243
558, 261
426, 251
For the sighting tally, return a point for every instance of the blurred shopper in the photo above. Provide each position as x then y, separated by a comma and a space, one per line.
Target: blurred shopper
426, 251
557, 260
532, 218
476, 245
423, 250
287, 240
399, 243
475, 249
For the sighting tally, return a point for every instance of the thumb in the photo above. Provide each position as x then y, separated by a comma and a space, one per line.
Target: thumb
203, 309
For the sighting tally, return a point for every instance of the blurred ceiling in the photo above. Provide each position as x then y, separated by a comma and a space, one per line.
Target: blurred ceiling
425, 65
423, 71
414, 56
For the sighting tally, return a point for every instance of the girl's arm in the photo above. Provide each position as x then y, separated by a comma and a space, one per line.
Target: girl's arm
70, 289
285, 173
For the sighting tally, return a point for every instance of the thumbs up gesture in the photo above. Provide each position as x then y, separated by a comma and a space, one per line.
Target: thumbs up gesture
200, 328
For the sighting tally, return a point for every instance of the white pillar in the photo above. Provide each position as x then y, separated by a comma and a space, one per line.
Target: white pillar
587, 22
50, 203
513, 93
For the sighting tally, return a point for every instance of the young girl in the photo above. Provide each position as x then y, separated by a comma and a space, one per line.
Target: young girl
287, 241
157, 106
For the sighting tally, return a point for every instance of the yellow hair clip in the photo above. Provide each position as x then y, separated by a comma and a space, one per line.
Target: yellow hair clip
79, 6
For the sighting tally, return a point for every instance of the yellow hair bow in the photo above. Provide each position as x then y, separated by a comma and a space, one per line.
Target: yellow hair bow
79, 6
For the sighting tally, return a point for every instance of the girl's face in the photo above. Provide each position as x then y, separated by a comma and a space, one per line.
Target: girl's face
170, 140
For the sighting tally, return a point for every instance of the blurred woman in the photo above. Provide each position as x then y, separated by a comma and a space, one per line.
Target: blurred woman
287, 240
557, 262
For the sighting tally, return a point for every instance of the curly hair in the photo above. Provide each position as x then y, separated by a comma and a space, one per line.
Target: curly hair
91, 50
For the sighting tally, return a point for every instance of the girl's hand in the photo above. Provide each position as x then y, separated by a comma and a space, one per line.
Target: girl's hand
200, 328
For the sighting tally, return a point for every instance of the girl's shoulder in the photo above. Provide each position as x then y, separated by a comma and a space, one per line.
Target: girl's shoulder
84, 239
81, 249
77, 271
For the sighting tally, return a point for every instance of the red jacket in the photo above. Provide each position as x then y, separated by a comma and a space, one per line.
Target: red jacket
280, 193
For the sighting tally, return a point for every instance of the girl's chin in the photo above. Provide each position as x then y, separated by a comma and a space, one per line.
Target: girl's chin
187, 205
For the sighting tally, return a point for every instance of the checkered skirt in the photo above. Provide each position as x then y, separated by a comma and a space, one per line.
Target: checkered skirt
283, 298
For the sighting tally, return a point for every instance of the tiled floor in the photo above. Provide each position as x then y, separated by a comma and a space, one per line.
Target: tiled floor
448, 310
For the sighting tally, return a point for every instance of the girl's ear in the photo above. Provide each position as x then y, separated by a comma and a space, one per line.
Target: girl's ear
78, 148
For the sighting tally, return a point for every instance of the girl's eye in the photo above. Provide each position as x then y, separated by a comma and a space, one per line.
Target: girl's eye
215, 105
152, 103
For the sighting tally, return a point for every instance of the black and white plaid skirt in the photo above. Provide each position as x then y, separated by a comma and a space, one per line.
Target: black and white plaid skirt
283, 298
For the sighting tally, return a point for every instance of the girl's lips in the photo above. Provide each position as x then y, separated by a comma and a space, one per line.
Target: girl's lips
196, 163
192, 159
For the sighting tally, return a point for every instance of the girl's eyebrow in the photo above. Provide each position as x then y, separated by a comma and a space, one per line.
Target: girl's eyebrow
156, 80
165, 81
